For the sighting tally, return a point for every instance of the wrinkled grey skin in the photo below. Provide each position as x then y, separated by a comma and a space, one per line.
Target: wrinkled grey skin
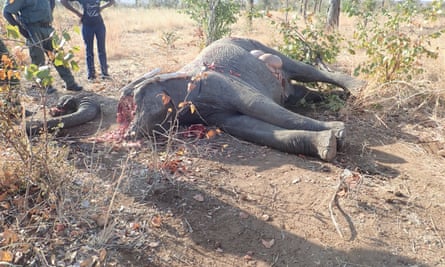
239, 94
70, 111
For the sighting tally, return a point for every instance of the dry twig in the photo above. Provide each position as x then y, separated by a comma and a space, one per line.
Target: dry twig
335, 201
436, 231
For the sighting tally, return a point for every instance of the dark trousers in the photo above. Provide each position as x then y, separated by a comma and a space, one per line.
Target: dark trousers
88, 33
41, 44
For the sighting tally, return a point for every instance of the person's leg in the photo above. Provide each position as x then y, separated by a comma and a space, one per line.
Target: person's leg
43, 44
88, 38
36, 53
37, 49
101, 49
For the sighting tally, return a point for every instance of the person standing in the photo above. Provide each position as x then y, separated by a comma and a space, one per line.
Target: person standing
34, 18
92, 25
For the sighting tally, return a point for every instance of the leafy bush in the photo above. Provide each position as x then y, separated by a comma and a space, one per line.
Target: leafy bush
392, 50
312, 44
35, 158
214, 17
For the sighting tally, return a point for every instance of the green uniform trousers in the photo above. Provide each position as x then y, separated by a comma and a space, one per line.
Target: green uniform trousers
40, 44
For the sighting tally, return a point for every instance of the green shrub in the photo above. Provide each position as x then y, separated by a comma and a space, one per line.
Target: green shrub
312, 44
214, 17
393, 49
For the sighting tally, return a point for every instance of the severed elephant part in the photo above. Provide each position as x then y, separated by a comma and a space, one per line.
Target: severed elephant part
70, 111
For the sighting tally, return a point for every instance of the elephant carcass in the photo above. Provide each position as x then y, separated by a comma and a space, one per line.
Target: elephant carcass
229, 87
70, 111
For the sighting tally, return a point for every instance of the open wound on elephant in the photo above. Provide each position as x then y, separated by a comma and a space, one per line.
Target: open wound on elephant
273, 62
125, 114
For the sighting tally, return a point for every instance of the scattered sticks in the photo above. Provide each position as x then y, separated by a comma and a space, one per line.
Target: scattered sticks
334, 200
348, 181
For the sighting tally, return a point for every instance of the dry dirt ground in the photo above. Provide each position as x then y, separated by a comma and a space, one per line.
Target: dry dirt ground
225, 202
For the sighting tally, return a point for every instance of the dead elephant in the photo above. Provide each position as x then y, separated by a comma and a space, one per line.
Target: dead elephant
233, 89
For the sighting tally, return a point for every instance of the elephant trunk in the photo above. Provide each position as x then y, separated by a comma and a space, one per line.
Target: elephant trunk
87, 110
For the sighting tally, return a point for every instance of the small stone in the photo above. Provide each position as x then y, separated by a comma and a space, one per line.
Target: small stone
296, 180
265, 217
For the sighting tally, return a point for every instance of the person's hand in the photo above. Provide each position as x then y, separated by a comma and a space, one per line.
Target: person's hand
24, 32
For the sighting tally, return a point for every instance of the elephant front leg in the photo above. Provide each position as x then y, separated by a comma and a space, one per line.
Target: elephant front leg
320, 144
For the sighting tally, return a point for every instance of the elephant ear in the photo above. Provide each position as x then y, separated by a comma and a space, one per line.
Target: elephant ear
129, 88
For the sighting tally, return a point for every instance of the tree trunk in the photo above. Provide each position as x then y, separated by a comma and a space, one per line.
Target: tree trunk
249, 13
333, 19
305, 9
316, 3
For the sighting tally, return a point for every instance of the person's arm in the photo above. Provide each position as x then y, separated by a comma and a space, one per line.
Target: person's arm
52, 4
10, 14
10, 11
68, 6
108, 4
10, 18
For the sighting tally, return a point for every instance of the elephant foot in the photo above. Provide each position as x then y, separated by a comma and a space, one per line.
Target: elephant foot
327, 145
338, 128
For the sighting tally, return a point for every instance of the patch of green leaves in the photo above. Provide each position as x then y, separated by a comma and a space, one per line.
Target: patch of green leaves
333, 102
169, 38
214, 17
310, 44
393, 48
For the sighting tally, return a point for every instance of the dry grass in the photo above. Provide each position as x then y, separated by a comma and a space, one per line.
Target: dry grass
122, 21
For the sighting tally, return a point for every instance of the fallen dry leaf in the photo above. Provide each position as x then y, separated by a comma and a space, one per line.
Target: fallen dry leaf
5, 256
156, 221
9, 237
211, 133
198, 197
102, 254
182, 104
135, 226
165, 99
89, 262
5, 205
268, 244
59, 227
154, 244
192, 108
3, 196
